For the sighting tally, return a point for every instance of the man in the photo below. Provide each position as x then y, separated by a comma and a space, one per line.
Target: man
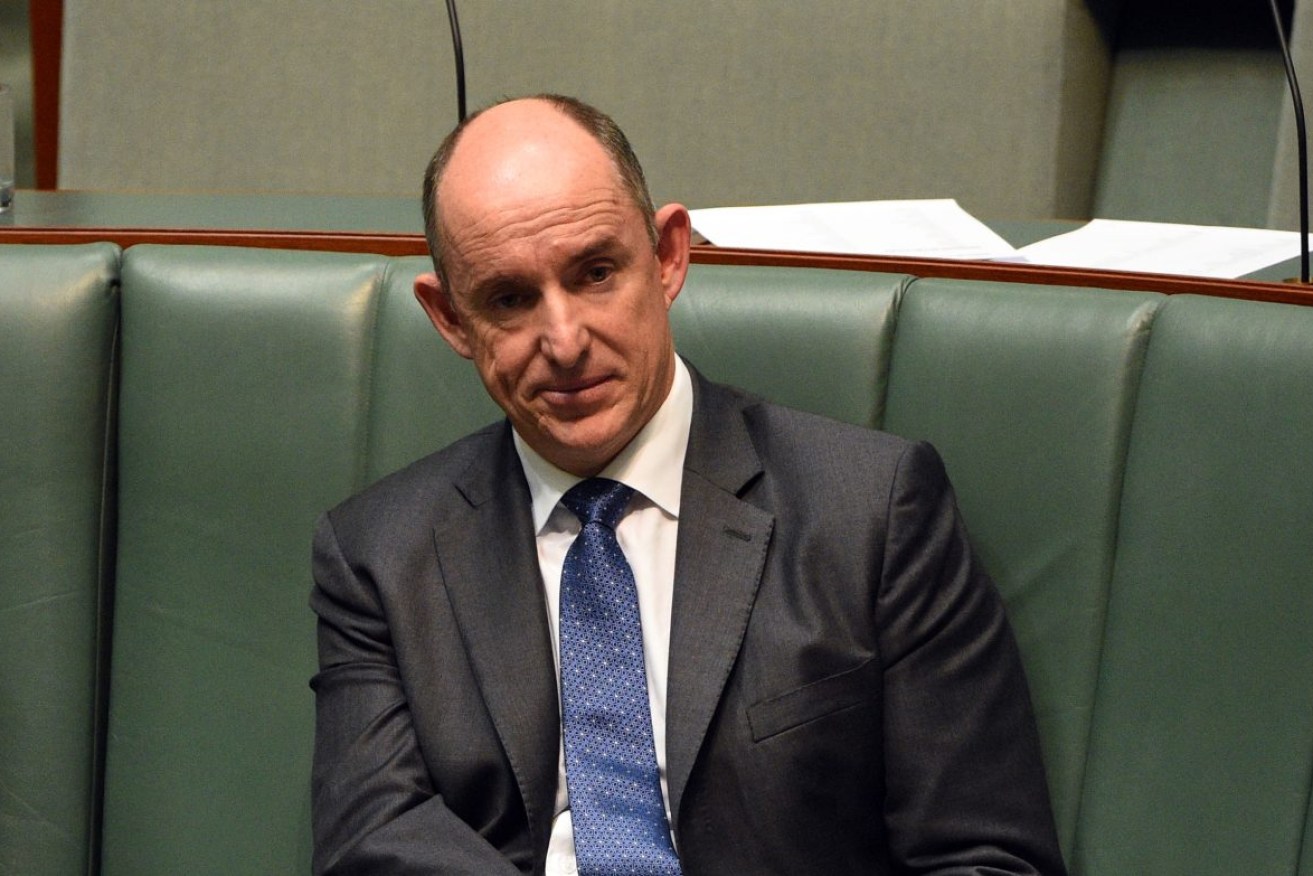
830, 684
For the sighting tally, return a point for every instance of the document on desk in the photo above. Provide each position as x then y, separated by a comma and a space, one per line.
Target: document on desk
936, 228
1160, 248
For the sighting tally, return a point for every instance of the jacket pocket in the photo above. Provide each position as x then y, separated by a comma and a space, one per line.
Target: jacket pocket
814, 700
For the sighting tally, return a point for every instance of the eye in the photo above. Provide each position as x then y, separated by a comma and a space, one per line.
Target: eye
596, 274
506, 301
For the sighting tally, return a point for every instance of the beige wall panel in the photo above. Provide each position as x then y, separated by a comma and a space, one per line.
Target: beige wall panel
995, 102
1080, 113
253, 95
16, 71
770, 101
1190, 135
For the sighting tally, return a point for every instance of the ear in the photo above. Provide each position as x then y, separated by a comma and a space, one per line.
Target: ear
433, 298
674, 230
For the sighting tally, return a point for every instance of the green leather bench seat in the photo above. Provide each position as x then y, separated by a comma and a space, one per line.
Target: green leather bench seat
244, 381
1134, 470
1028, 393
1202, 740
423, 395
819, 341
58, 314
257, 390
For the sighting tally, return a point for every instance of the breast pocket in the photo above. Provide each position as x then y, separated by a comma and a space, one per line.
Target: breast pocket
814, 700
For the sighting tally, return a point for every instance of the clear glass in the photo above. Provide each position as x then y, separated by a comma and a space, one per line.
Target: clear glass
6, 148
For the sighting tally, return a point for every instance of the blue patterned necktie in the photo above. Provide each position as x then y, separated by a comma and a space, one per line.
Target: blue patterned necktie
619, 820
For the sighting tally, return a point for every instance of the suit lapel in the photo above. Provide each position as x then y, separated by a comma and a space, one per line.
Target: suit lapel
489, 563
720, 556
490, 568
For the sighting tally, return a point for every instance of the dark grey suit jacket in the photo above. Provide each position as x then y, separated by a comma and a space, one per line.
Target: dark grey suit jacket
845, 695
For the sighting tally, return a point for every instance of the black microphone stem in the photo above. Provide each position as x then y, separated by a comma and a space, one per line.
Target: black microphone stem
1301, 139
459, 52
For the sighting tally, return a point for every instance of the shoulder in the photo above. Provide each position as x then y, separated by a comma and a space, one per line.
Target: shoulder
808, 461
421, 489
840, 464
783, 434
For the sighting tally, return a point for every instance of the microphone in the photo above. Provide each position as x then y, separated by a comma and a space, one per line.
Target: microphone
1301, 140
459, 52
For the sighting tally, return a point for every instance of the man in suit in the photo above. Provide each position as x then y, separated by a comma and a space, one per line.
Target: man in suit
830, 683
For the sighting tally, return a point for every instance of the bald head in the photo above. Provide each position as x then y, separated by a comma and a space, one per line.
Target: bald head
515, 133
556, 280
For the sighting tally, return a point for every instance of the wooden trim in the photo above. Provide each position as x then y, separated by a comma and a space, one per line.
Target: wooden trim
1010, 272
414, 244
379, 244
46, 27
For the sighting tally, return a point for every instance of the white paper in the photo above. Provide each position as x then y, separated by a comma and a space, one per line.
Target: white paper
1194, 250
936, 228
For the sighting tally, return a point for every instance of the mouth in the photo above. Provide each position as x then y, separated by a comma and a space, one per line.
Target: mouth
574, 393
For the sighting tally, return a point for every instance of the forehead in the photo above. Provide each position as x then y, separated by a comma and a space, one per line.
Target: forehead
522, 207
523, 152
526, 174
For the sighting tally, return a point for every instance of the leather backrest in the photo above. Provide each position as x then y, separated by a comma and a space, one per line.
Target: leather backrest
1027, 392
423, 395
813, 339
245, 378
259, 388
1201, 752
1133, 470
60, 307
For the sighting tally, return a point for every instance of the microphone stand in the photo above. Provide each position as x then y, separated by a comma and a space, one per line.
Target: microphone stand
1301, 139
459, 52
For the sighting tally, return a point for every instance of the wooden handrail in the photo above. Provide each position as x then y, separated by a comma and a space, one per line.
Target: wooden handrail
388, 244
392, 244
1013, 272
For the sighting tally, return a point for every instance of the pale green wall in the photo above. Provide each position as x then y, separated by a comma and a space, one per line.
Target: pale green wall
996, 102
1019, 108
16, 71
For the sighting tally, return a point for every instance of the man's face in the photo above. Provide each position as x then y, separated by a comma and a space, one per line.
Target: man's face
556, 292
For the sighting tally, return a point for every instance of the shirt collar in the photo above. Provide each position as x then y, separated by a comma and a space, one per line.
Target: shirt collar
652, 463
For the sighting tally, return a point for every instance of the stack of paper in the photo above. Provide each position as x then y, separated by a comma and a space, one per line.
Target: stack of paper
1195, 250
939, 228
917, 229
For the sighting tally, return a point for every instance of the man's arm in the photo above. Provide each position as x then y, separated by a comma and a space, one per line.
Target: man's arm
374, 806
966, 791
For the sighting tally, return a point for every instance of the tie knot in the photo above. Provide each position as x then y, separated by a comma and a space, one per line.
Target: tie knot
598, 500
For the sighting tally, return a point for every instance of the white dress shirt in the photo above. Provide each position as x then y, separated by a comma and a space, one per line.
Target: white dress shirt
653, 465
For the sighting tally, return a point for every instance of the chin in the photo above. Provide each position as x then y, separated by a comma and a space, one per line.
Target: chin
585, 448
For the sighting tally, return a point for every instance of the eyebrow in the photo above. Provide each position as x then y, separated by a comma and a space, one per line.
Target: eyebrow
606, 245
603, 246
485, 289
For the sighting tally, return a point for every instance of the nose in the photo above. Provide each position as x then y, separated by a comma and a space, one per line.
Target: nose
564, 338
